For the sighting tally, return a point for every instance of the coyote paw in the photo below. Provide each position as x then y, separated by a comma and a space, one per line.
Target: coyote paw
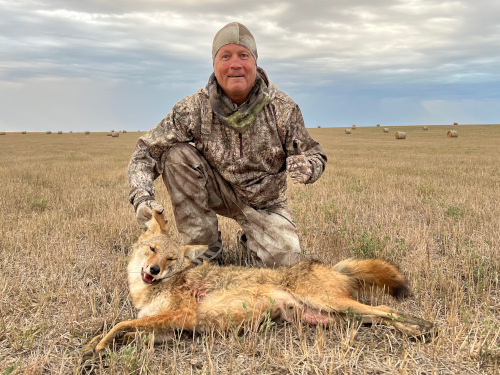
416, 327
89, 350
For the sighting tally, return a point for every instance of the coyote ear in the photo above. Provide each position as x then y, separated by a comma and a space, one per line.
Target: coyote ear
193, 251
160, 218
157, 223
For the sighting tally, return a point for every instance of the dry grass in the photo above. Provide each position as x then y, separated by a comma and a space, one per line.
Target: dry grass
427, 204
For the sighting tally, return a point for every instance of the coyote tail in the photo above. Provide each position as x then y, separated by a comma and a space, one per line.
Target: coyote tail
367, 273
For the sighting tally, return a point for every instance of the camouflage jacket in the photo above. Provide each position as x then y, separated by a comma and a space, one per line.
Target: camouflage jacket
252, 161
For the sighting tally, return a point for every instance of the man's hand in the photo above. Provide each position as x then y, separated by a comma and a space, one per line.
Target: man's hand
299, 168
145, 212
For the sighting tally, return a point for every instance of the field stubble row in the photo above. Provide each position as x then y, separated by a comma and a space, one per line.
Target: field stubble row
428, 203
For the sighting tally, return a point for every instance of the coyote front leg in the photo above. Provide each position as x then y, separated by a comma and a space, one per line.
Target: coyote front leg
175, 319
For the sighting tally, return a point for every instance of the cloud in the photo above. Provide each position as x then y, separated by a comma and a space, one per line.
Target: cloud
363, 51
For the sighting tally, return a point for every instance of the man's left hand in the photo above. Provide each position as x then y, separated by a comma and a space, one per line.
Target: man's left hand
299, 168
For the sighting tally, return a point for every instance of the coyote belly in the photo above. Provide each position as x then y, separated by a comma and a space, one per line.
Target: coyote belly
170, 293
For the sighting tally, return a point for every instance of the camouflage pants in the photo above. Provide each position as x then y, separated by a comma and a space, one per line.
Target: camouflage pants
198, 194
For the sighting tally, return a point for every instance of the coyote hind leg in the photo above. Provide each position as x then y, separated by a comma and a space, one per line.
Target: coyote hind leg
410, 325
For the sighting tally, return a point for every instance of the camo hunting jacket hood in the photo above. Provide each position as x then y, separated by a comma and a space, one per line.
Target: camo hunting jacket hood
249, 151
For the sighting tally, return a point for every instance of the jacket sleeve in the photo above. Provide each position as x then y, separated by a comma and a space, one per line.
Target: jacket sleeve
146, 162
298, 141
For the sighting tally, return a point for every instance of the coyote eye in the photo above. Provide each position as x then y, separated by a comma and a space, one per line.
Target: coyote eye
152, 249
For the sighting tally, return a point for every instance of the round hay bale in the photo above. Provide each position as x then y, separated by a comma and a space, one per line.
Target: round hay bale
455, 123
87, 132
71, 131
386, 130
354, 127
49, 132
400, 135
378, 125
425, 128
109, 134
2, 133
115, 134
348, 131
319, 126
23, 132
452, 134
59, 132
124, 131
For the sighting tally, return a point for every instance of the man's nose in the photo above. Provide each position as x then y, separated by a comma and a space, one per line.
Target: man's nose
235, 62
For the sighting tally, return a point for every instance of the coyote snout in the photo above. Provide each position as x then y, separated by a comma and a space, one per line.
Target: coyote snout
171, 293
149, 274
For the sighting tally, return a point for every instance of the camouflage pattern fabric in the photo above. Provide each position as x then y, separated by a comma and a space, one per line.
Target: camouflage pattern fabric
198, 194
144, 211
299, 168
250, 160
238, 118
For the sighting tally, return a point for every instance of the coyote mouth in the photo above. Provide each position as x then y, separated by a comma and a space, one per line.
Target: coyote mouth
147, 278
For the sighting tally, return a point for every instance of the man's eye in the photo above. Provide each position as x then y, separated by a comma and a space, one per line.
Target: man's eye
244, 56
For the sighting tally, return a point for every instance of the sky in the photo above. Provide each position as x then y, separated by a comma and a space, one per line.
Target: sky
122, 64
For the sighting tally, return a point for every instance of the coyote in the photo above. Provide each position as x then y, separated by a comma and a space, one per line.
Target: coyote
171, 293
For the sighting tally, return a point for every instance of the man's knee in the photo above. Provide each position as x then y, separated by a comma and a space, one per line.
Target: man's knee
272, 237
182, 153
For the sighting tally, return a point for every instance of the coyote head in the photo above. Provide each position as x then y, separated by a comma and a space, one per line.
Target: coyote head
156, 256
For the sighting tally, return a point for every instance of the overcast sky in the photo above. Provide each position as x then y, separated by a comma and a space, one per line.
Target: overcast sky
122, 64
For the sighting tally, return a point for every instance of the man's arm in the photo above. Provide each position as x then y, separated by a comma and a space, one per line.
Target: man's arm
145, 164
303, 152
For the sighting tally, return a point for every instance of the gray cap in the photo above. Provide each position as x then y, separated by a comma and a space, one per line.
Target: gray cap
234, 33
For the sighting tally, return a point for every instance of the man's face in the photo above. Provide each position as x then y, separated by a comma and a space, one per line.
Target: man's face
235, 70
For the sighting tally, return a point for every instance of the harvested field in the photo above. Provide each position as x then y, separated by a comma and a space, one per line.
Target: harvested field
427, 204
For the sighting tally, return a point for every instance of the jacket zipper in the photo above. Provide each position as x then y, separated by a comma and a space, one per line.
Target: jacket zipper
241, 145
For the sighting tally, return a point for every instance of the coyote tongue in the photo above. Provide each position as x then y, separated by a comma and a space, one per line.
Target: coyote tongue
147, 278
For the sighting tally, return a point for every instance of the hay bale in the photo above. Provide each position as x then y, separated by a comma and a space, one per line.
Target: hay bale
2, 133
71, 131
348, 131
87, 132
378, 125
455, 123
59, 132
23, 132
354, 127
124, 131
400, 135
319, 126
49, 132
425, 128
109, 134
115, 134
452, 134
386, 130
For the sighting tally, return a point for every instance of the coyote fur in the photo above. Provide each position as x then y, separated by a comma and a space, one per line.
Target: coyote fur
170, 293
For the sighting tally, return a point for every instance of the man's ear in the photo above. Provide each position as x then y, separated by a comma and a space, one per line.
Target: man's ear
193, 251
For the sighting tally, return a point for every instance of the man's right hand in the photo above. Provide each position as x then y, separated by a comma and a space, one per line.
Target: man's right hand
145, 212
